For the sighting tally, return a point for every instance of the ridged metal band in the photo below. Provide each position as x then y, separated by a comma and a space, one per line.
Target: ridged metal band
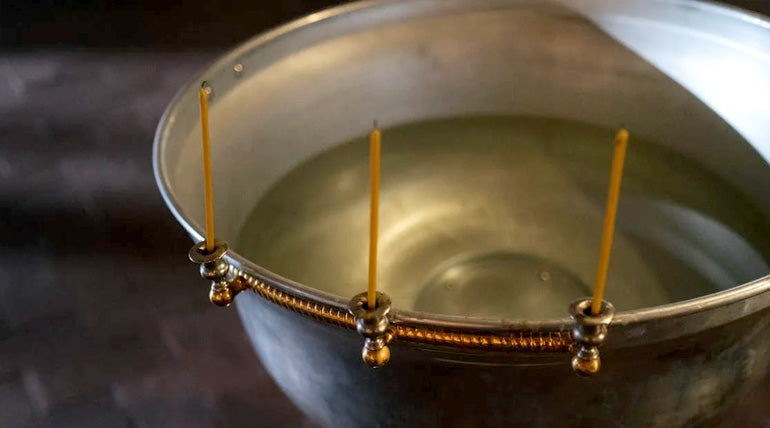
305, 307
516, 341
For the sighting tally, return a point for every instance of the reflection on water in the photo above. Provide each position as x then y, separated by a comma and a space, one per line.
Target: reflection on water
501, 217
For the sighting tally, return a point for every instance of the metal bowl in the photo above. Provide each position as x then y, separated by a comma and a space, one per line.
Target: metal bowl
687, 78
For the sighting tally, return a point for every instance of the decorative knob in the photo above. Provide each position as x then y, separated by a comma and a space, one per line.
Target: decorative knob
216, 269
589, 332
373, 324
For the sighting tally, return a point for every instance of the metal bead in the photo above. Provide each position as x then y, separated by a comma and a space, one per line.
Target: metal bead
587, 362
390, 335
375, 358
216, 270
220, 294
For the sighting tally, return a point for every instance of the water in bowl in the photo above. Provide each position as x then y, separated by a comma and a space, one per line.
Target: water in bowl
501, 217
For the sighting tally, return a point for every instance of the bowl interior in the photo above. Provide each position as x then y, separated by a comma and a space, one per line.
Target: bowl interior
498, 120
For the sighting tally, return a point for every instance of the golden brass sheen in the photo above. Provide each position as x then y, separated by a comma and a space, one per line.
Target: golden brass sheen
517, 341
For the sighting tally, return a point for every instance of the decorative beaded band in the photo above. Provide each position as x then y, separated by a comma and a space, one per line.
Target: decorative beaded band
583, 340
524, 341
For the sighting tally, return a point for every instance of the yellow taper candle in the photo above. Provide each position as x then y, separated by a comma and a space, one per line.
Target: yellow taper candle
374, 173
209, 196
618, 159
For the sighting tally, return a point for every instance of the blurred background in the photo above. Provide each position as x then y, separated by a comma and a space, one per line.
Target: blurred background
103, 321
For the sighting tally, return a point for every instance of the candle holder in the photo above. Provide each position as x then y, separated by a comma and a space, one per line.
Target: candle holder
215, 268
589, 333
373, 324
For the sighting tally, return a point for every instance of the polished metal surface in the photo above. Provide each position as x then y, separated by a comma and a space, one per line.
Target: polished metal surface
308, 86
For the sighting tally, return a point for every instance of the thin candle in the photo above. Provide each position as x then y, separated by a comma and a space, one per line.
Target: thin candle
209, 194
374, 202
618, 159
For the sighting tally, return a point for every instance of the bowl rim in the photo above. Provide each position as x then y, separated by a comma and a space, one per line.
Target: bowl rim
736, 296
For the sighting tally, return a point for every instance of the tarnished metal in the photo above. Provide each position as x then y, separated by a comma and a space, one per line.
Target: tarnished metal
589, 333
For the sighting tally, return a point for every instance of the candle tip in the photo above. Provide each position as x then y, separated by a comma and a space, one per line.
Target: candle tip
206, 89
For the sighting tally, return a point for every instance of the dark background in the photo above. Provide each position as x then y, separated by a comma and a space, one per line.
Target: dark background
103, 322
160, 24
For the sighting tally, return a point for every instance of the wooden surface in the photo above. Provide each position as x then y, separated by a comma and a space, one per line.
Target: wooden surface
103, 321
